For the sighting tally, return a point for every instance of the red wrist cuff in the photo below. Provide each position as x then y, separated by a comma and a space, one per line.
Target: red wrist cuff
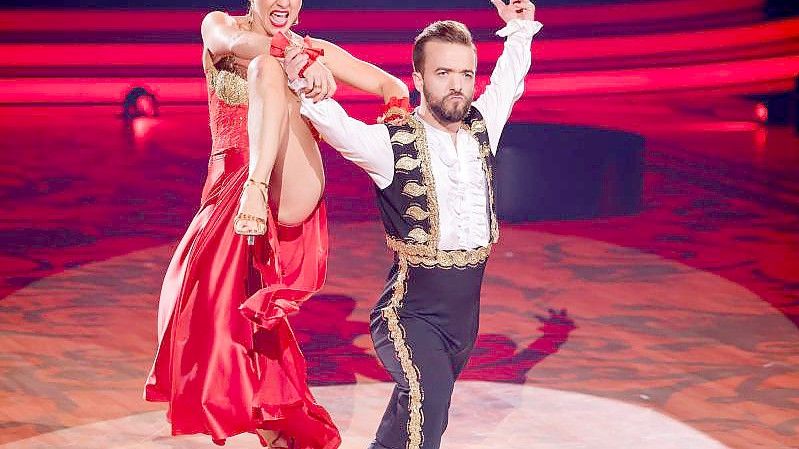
280, 42
397, 110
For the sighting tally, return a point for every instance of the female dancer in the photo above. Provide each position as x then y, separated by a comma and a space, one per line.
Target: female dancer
227, 359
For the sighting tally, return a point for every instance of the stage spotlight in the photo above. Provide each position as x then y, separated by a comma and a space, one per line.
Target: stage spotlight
761, 112
139, 102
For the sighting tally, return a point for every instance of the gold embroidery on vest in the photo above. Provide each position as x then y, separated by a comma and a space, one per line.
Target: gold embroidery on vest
492, 218
485, 150
407, 163
418, 256
414, 189
417, 213
403, 137
419, 235
478, 126
427, 179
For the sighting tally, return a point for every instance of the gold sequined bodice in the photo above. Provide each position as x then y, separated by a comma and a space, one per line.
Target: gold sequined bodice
227, 104
228, 80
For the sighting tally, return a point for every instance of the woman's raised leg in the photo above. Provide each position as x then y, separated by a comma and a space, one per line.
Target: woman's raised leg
267, 129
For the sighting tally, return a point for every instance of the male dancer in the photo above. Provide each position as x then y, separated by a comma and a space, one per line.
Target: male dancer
436, 197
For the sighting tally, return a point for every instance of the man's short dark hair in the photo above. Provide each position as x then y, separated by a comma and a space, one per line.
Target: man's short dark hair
442, 31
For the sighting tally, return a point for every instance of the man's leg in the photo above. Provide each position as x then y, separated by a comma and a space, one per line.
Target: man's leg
412, 351
459, 362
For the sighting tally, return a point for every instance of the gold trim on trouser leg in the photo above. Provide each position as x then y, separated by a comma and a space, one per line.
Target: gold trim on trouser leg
396, 334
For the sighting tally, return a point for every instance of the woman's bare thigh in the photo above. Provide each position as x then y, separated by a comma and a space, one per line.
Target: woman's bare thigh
298, 179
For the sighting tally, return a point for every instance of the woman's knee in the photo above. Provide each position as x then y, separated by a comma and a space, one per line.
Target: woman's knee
265, 70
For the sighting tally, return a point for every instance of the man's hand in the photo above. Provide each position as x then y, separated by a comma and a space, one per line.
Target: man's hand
517, 9
321, 84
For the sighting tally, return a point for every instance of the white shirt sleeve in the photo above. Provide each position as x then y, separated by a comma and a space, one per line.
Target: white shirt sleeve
368, 146
507, 80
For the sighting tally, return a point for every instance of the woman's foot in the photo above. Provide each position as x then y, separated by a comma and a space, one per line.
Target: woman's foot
274, 439
253, 209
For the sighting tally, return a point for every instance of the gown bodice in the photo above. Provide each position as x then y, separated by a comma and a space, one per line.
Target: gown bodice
227, 106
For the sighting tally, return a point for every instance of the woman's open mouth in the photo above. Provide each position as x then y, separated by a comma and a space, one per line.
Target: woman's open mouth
279, 19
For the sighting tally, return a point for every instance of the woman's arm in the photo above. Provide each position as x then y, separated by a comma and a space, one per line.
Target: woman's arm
360, 74
222, 36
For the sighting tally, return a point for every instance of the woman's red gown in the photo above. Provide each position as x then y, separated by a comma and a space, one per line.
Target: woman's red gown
227, 359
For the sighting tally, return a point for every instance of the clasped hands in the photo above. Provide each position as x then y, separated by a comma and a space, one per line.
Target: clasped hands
320, 83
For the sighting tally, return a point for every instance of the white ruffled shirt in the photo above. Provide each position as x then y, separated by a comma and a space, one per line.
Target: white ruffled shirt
461, 185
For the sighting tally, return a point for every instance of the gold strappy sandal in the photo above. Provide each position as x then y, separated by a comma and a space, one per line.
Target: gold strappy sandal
250, 225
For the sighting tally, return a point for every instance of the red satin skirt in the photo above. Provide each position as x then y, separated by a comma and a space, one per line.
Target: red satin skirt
227, 360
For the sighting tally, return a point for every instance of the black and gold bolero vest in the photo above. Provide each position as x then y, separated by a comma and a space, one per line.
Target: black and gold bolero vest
409, 205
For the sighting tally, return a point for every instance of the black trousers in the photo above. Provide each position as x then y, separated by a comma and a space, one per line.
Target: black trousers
424, 328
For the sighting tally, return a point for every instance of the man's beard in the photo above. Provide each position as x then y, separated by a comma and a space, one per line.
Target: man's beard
452, 114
